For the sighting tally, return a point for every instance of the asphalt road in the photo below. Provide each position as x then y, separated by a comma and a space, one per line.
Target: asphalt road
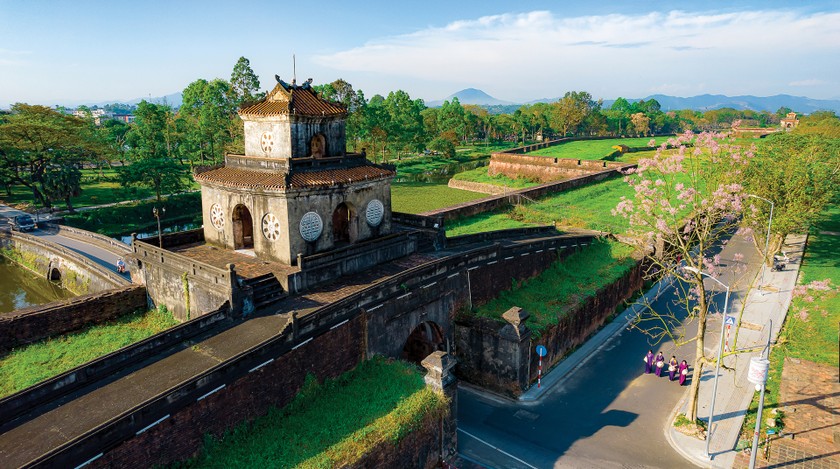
606, 414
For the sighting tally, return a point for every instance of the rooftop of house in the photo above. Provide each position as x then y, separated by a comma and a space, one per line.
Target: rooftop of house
250, 179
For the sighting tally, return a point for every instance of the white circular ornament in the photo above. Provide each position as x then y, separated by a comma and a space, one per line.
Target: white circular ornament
217, 216
266, 142
271, 227
375, 211
311, 226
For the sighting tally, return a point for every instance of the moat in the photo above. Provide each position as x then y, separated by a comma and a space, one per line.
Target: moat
20, 288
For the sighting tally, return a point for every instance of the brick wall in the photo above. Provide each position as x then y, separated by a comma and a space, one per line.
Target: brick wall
31, 324
275, 384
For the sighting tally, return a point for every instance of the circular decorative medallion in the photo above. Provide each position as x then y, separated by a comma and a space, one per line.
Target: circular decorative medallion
270, 227
266, 142
311, 226
217, 216
374, 212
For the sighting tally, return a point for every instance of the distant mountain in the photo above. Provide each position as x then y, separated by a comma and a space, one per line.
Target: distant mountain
471, 96
708, 102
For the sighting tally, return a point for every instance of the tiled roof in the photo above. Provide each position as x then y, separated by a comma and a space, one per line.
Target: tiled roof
242, 178
295, 100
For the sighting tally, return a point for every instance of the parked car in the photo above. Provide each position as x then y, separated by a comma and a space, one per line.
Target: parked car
23, 223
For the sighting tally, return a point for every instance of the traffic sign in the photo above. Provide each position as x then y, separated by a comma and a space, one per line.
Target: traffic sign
729, 320
541, 350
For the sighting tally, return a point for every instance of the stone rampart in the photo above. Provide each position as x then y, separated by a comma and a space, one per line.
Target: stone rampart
76, 272
320, 268
498, 354
481, 187
546, 168
187, 287
51, 390
497, 202
35, 323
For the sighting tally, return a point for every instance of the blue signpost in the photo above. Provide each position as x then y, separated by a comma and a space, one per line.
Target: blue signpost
541, 352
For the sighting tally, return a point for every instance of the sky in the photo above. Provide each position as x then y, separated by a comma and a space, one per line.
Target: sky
72, 52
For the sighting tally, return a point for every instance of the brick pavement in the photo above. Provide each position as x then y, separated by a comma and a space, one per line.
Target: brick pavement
810, 398
246, 266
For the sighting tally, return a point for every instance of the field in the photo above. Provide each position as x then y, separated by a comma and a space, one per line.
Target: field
593, 149
810, 331
418, 197
138, 217
98, 187
585, 207
330, 424
36, 362
564, 285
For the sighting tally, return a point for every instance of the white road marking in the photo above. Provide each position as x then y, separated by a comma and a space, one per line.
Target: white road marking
496, 448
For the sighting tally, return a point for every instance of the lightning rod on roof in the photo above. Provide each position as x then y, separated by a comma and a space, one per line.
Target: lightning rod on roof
294, 70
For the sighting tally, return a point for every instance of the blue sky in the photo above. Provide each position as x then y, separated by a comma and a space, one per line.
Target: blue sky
85, 51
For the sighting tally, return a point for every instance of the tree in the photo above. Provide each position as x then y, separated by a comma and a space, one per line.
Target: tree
244, 82
63, 182
405, 123
443, 147
570, 111
451, 118
685, 202
641, 124
209, 109
36, 142
162, 175
801, 175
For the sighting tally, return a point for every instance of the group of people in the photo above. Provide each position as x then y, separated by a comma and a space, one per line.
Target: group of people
655, 363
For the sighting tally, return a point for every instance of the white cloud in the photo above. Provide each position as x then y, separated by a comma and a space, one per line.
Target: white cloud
538, 54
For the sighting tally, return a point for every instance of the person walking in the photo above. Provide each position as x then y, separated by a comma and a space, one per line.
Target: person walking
683, 372
660, 362
648, 359
672, 367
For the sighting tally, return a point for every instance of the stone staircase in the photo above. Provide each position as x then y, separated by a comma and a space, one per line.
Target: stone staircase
267, 290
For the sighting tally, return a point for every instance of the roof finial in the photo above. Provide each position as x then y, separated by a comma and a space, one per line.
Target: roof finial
294, 70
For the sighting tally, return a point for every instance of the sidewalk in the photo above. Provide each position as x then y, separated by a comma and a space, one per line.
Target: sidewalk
734, 392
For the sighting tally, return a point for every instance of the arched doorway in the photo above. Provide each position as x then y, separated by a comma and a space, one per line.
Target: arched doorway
426, 338
243, 228
55, 275
341, 221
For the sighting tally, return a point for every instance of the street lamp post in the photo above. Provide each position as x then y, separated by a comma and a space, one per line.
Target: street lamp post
157, 215
760, 379
720, 352
767, 239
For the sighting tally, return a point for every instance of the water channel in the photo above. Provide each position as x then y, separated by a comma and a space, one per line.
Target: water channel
20, 288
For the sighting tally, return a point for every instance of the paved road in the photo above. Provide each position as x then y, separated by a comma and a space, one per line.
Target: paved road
606, 414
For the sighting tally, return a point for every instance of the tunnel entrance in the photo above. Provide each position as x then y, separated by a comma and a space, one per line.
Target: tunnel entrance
426, 338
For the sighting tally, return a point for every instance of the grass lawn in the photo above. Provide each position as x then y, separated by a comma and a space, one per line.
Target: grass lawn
138, 217
98, 187
36, 362
480, 175
592, 149
585, 207
567, 283
417, 197
331, 424
810, 331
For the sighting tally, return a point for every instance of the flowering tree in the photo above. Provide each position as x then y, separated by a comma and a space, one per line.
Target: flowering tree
687, 200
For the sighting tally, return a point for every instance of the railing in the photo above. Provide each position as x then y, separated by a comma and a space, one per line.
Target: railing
96, 239
146, 252
497, 235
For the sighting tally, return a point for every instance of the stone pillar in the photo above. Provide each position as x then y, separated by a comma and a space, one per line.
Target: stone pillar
514, 345
440, 378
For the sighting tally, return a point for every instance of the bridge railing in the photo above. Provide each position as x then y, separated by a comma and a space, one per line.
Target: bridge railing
109, 244
94, 268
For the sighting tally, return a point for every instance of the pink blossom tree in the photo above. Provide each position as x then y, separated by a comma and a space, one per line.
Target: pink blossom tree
687, 200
